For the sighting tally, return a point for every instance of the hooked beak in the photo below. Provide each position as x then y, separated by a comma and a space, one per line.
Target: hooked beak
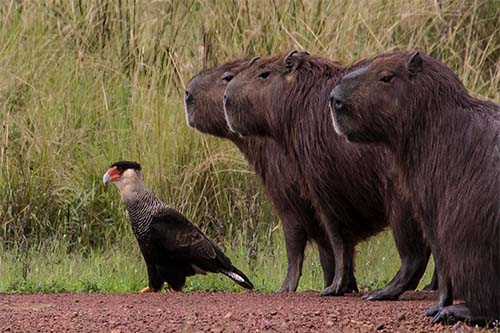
112, 175
106, 178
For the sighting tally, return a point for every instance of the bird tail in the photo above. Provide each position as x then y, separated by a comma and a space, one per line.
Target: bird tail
238, 277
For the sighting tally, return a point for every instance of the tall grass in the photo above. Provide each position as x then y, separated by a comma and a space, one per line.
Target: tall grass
85, 83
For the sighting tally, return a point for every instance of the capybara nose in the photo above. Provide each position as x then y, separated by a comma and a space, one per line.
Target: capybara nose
188, 97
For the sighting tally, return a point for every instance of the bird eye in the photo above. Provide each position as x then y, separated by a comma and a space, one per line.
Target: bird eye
227, 77
387, 78
264, 75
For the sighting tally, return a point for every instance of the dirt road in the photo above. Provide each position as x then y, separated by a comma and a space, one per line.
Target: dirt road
215, 312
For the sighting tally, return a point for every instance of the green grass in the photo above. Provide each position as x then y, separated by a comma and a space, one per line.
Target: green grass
85, 83
50, 268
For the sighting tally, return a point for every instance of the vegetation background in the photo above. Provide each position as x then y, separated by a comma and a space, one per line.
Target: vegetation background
84, 83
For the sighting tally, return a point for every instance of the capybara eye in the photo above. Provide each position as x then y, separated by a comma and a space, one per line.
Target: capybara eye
264, 75
227, 77
387, 78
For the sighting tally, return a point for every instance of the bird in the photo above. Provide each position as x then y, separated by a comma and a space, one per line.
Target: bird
172, 247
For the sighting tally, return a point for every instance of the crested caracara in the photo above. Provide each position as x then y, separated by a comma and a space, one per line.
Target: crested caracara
171, 245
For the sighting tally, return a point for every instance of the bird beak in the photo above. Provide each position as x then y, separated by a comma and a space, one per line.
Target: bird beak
106, 178
112, 175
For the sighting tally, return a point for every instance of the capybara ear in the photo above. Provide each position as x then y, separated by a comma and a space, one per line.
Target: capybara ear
254, 59
414, 65
294, 58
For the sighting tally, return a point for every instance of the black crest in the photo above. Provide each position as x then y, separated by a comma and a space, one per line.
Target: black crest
124, 165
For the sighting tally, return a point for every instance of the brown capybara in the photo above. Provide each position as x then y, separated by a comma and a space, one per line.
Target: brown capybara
285, 98
204, 112
446, 145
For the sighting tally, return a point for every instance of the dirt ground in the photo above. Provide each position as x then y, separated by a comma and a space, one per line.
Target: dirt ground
215, 312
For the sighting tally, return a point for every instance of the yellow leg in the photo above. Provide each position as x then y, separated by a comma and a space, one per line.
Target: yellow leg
147, 290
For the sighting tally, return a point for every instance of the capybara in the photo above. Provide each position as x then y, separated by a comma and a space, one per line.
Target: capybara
285, 98
446, 145
204, 112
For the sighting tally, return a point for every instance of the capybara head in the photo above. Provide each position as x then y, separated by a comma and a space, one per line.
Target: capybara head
203, 100
252, 98
244, 101
374, 103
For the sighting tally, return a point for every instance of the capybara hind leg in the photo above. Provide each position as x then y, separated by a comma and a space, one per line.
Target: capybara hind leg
327, 261
458, 312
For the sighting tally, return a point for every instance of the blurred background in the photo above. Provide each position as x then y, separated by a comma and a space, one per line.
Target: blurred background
86, 83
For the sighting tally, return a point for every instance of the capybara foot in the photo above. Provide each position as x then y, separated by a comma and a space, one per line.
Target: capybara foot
380, 295
285, 289
147, 290
330, 291
289, 286
433, 310
458, 312
338, 288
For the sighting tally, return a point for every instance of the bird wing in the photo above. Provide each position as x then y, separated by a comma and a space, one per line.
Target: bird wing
184, 240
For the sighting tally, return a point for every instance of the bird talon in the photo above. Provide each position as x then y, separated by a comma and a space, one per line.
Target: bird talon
147, 290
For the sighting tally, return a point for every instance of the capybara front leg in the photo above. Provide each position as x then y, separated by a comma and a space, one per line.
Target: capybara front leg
445, 297
414, 254
295, 241
344, 280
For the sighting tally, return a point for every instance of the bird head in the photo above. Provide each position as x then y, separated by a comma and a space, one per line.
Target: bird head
123, 174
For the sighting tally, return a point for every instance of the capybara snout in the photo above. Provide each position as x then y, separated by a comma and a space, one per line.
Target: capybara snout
203, 98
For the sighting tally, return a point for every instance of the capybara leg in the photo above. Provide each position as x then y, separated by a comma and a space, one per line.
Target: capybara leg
433, 285
327, 261
445, 297
295, 241
353, 285
414, 254
458, 312
344, 280
406, 278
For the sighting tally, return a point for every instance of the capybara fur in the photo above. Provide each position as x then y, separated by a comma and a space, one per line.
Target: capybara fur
446, 145
285, 98
204, 112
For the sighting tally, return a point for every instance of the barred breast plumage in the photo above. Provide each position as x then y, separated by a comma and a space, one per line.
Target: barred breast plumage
141, 209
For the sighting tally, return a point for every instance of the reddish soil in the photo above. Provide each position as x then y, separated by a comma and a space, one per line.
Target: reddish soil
215, 312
